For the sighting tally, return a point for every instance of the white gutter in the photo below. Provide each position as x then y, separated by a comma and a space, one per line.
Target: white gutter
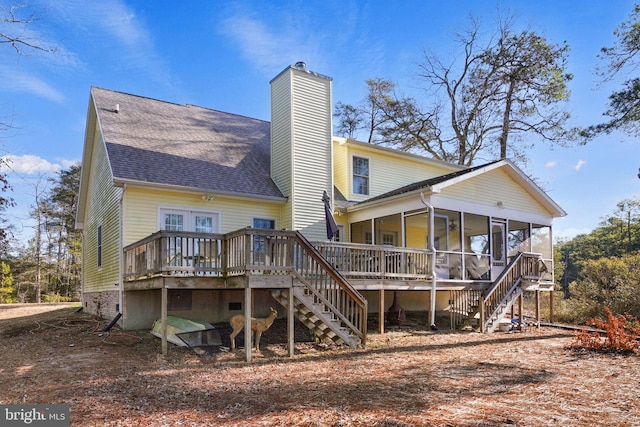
121, 254
432, 247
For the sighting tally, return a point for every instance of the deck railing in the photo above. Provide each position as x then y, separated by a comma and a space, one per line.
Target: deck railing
251, 251
175, 253
262, 251
522, 267
360, 261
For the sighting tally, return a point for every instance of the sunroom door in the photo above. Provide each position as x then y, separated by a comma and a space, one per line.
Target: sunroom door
498, 248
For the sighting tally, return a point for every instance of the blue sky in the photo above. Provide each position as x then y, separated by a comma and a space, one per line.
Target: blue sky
222, 55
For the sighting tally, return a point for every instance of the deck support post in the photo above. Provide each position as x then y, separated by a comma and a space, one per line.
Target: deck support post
163, 318
551, 307
381, 312
247, 323
538, 307
482, 314
290, 322
520, 304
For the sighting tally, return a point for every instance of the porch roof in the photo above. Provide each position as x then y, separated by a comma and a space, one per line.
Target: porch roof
436, 184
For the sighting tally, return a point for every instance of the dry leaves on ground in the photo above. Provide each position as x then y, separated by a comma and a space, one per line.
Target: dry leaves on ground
410, 376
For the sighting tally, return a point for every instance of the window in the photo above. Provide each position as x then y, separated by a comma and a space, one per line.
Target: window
179, 248
360, 175
174, 222
260, 242
184, 220
203, 224
269, 224
100, 246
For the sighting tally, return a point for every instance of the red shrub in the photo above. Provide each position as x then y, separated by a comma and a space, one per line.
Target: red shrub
620, 335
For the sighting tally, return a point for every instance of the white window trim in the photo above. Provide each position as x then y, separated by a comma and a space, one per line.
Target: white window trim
275, 222
352, 175
189, 215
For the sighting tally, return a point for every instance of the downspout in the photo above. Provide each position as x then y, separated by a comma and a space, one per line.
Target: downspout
120, 264
432, 247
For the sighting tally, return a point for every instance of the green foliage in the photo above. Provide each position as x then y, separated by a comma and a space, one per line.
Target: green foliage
48, 268
624, 104
54, 297
7, 292
616, 236
606, 282
621, 335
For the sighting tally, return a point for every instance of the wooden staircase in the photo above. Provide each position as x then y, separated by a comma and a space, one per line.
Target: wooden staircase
324, 324
464, 306
323, 299
524, 269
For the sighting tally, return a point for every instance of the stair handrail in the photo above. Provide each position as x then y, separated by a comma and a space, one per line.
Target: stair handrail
354, 296
508, 280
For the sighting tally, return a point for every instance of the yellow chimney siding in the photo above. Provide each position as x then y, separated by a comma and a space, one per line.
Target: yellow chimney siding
493, 187
142, 205
303, 170
103, 210
281, 134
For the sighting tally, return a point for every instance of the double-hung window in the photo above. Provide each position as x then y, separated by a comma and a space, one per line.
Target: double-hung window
360, 175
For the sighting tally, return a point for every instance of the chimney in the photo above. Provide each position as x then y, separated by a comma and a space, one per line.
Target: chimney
301, 146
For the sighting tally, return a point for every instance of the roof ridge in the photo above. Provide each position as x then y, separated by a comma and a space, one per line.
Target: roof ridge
176, 103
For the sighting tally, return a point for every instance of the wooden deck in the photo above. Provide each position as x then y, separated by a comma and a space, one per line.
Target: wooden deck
260, 258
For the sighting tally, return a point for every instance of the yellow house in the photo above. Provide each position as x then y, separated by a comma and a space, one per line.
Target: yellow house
204, 214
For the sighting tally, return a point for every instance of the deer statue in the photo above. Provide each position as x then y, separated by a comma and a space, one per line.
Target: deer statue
257, 325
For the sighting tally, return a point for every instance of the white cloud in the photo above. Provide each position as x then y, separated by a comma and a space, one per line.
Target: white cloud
28, 164
124, 39
268, 48
22, 82
551, 164
579, 165
560, 234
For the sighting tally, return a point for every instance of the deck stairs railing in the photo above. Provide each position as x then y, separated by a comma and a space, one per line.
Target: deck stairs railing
524, 268
464, 306
324, 300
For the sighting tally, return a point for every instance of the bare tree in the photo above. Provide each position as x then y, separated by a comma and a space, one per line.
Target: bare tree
497, 92
15, 20
512, 86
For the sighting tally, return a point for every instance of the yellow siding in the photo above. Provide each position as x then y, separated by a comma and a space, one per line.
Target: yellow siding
301, 147
281, 148
312, 152
141, 207
388, 171
103, 210
341, 168
493, 187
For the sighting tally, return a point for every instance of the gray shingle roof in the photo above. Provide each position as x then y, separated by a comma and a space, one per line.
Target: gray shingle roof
185, 146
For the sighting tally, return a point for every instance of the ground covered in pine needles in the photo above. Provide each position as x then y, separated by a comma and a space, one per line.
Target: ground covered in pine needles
410, 376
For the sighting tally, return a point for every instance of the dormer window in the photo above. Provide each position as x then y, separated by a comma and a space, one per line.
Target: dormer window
360, 175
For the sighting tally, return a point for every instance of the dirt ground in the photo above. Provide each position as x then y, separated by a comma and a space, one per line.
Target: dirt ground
410, 376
